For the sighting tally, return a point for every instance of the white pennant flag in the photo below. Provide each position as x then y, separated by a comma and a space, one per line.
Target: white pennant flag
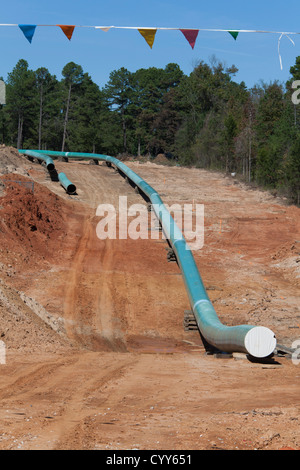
104, 28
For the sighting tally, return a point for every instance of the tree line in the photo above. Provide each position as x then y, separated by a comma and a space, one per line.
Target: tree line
205, 119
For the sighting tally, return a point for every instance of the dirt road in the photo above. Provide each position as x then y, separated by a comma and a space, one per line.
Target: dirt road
96, 353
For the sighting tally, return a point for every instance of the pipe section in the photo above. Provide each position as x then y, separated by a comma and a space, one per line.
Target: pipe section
257, 341
39, 156
66, 184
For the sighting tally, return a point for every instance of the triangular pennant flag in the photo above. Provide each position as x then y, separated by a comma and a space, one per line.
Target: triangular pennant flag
104, 28
28, 30
234, 34
67, 30
190, 35
148, 35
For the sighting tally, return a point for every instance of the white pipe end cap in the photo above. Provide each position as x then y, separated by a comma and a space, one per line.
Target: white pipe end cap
260, 341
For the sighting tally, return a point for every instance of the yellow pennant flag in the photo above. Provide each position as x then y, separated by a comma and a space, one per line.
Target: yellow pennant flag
148, 35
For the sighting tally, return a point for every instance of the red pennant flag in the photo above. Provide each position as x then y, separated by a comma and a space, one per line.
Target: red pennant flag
67, 30
190, 35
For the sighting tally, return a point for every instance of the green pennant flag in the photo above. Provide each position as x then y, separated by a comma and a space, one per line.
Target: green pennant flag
234, 34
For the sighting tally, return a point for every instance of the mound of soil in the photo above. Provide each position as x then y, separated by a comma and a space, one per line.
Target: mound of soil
161, 158
31, 217
32, 222
12, 162
22, 329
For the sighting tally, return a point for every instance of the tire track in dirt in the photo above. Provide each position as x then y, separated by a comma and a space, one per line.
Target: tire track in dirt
26, 377
88, 302
73, 282
106, 314
81, 403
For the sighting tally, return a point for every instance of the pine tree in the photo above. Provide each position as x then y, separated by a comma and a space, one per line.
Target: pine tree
118, 93
73, 76
270, 109
47, 88
85, 117
21, 101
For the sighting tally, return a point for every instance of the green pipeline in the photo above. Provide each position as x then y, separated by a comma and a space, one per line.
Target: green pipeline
257, 341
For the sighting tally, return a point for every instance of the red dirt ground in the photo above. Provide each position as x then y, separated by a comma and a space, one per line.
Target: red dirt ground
96, 353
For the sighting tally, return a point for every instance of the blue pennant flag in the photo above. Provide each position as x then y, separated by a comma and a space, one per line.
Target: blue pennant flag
28, 30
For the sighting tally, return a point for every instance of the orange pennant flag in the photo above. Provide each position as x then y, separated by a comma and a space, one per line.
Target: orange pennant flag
67, 30
148, 35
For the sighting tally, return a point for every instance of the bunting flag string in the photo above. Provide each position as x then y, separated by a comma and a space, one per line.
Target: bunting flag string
191, 34
279, 54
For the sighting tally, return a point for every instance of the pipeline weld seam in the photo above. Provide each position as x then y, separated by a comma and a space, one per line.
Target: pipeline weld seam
200, 301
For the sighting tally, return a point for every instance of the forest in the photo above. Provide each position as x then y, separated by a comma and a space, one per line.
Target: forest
205, 119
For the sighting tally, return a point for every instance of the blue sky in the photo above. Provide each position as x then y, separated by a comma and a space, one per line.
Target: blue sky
99, 53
